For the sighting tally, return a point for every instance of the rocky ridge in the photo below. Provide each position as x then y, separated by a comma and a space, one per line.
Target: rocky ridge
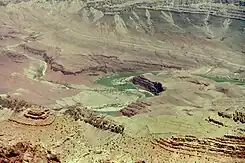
104, 64
227, 146
215, 9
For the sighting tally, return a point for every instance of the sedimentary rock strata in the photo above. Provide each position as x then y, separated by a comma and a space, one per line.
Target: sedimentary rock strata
230, 146
94, 64
135, 108
26, 113
16, 57
117, 7
33, 116
94, 119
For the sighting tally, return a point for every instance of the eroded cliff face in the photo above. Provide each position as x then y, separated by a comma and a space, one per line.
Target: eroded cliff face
67, 65
224, 22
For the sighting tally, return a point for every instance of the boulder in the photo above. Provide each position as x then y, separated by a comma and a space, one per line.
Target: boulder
154, 87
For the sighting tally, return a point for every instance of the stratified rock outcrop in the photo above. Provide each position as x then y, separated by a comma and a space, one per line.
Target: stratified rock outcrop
229, 145
154, 87
53, 65
112, 7
94, 119
237, 116
212, 19
33, 116
27, 114
95, 64
135, 108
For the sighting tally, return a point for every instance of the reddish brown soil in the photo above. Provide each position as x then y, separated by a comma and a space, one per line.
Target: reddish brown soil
135, 108
12, 78
10, 63
90, 65
25, 151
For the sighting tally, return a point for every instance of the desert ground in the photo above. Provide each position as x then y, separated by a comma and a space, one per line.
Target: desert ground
66, 91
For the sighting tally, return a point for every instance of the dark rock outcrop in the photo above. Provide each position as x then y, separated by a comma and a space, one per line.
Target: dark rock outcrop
94, 119
96, 64
135, 108
154, 87
237, 116
13, 104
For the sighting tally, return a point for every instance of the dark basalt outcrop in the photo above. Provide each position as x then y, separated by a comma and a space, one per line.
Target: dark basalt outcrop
237, 116
154, 87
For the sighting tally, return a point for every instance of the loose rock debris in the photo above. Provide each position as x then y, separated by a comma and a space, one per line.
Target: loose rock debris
237, 116
26, 152
14, 104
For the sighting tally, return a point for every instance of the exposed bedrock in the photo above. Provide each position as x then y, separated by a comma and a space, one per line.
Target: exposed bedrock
237, 116
229, 145
135, 108
25, 151
93, 64
154, 87
219, 21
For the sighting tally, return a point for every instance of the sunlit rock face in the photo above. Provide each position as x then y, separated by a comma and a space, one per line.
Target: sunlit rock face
219, 20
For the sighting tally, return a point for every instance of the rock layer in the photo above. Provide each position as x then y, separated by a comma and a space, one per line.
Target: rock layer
135, 108
231, 146
94, 119
33, 116
94, 64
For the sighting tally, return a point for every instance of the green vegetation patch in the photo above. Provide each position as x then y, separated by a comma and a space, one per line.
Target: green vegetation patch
121, 82
39, 72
